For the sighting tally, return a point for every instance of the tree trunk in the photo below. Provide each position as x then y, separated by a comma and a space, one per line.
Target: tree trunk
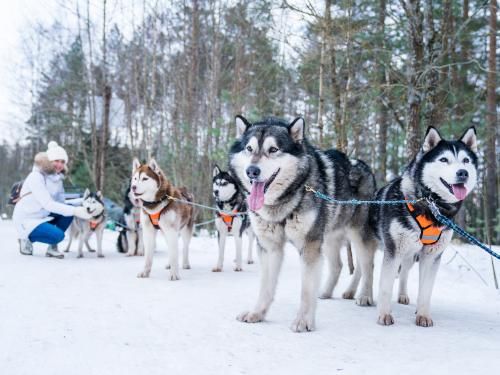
491, 125
382, 117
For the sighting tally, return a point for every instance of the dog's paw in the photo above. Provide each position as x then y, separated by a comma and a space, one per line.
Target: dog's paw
144, 274
167, 267
364, 301
424, 321
66, 251
186, 266
91, 250
79, 256
250, 317
129, 255
302, 324
385, 320
348, 294
325, 295
237, 269
403, 299
100, 255
250, 261
140, 253
217, 269
174, 276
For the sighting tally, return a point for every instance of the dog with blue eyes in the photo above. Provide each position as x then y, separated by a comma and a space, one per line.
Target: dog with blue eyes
444, 172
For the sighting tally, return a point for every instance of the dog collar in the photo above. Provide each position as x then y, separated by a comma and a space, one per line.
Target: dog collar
430, 233
148, 204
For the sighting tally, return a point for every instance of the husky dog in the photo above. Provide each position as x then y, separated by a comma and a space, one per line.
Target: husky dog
83, 229
171, 217
273, 160
230, 198
130, 238
444, 172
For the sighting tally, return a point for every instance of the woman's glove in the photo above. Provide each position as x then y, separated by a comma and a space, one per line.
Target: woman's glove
82, 213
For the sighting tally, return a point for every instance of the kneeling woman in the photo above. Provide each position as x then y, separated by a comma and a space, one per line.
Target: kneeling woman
40, 215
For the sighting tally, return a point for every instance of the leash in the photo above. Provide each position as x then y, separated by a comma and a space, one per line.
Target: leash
206, 207
357, 202
432, 205
450, 224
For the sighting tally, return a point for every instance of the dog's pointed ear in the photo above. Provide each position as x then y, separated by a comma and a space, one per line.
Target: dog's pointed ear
215, 171
135, 164
99, 194
470, 139
154, 166
86, 193
242, 125
296, 129
432, 138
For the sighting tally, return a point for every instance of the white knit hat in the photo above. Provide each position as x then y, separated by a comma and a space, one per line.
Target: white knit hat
56, 152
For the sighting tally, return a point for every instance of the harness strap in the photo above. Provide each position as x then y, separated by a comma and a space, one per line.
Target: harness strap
93, 224
430, 233
155, 218
228, 218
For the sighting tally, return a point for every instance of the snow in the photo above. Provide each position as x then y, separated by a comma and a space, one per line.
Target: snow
93, 316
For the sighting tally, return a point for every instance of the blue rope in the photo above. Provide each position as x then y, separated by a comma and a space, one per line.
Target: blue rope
450, 224
357, 202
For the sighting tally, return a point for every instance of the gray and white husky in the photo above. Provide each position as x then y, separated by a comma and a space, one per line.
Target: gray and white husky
273, 160
83, 229
130, 240
229, 197
444, 172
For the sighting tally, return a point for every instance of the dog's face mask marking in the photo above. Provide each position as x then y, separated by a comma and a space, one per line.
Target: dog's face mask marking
145, 181
449, 168
267, 160
92, 203
223, 185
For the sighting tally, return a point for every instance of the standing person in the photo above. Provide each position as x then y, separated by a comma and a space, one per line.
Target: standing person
40, 215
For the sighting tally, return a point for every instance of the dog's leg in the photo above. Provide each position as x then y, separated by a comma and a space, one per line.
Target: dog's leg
271, 261
131, 243
311, 274
82, 239
406, 265
238, 242
99, 234
428, 267
140, 242
221, 237
186, 234
365, 254
331, 248
87, 245
149, 234
172, 239
350, 292
251, 238
388, 273
70, 240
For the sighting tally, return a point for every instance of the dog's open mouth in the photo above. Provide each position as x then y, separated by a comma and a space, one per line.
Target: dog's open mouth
458, 190
256, 198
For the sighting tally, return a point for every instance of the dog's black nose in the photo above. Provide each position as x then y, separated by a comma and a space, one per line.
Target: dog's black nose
253, 172
462, 175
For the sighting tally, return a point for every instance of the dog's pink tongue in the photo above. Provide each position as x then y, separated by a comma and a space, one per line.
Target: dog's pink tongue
460, 191
256, 198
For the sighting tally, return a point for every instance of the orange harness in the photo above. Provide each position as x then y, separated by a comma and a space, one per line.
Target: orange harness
155, 218
228, 219
94, 224
430, 233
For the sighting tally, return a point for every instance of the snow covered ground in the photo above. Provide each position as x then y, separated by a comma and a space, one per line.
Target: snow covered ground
93, 316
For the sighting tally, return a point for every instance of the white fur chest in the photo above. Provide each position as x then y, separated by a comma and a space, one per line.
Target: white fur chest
297, 227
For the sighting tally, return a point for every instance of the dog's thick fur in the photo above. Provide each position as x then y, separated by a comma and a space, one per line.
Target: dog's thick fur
82, 229
130, 238
273, 160
152, 188
229, 197
440, 168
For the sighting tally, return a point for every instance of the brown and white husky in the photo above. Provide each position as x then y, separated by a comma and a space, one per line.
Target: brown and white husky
160, 212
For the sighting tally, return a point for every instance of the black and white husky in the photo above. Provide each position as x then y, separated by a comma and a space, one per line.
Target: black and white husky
83, 229
273, 160
229, 197
444, 172
130, 238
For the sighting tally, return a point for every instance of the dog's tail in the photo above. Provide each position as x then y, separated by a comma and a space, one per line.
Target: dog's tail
362, 180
